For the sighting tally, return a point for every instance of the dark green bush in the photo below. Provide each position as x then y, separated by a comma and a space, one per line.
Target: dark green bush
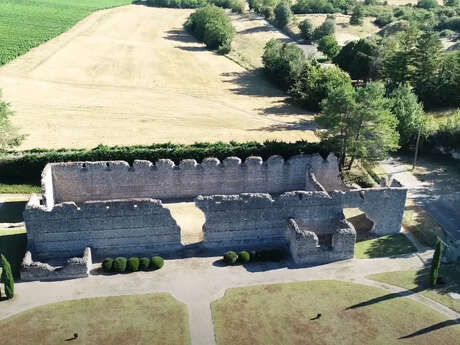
325, 29
283, 14
230, 257
427, 4
237, 6
7, 277
26, 166
157, 262
107, 265
358, 58
244, 257
384, 19
306, 29
119, 264
357, 15
133, 264
268, 13
144, 263
323, 6
212, 26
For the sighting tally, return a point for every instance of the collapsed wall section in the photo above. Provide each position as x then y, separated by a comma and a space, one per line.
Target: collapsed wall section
83, 181
109, 228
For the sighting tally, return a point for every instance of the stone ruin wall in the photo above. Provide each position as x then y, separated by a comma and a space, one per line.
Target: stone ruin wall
78, 267
250, 219
83, 181
109, 228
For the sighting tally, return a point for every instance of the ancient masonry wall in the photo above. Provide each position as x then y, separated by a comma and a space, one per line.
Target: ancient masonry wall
83, 181
109, 228
247, 220
77, 267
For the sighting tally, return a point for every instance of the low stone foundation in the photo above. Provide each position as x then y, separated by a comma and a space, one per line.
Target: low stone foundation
73, 268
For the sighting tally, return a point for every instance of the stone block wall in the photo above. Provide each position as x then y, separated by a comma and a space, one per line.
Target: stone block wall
109, 228
83, 181
77, 267
305, 246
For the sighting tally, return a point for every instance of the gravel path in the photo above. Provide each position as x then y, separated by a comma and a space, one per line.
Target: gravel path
199, 281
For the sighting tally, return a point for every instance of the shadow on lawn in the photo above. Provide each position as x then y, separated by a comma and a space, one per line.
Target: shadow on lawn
394, 245
432, 328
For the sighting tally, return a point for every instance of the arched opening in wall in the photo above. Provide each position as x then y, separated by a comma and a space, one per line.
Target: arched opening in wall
363, 225
190, 220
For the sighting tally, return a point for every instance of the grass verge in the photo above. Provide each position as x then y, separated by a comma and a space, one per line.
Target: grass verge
418, 280
154, 319
392, 245
19, 188
351, 314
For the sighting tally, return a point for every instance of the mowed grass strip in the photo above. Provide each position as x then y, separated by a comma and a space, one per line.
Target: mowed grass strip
419, 281
26, 24
392, 245
281, 314
153, 319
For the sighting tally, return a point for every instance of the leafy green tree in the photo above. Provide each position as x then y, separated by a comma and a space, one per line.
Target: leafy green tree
329, 46
358, 123
357, 15
427, 4
306, 29
426, 62
436, 263
315, 83
452, 3
409, 113
7, 277
9, 135
359, 59
238, 6
283, 62
448, 85
283, 14
325, 29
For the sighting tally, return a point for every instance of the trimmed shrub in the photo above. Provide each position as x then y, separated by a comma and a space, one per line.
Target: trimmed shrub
329, 46
144, 263
107, 265
7, 277
244, 257
230, 257
119, 264
133, 264
157, 262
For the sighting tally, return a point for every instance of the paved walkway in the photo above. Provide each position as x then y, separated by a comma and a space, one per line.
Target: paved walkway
199, 281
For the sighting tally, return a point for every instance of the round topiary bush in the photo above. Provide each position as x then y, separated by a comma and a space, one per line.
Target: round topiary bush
230, 257
157, 262
133, 264
144, 263
244, 257
119, 264
107, 265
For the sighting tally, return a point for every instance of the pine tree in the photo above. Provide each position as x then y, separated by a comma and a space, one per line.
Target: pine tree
7, 278
436, 263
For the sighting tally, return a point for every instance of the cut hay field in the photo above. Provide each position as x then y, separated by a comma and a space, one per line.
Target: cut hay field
27, 23
131, 75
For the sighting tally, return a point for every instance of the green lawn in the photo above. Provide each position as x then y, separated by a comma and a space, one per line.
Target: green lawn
418, 280
19, 188
392, 245
280, 314
25, 24
154, 319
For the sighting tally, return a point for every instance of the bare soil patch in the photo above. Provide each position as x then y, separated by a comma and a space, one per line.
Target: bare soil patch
131, 75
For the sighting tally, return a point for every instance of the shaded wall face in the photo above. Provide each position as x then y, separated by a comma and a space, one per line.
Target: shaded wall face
112, 228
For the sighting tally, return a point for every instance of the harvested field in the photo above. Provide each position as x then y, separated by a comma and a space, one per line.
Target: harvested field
131, 75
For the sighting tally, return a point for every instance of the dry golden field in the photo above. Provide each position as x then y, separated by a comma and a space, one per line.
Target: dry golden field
131, 75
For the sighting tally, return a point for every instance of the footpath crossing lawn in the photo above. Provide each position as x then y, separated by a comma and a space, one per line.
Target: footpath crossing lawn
25, 24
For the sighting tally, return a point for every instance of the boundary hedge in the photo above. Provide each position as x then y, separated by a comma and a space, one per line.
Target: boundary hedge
26, 166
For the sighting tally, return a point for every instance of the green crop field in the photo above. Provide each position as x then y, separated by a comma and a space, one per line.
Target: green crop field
25, 24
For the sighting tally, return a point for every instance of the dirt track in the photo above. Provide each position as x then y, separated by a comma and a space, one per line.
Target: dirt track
130, 75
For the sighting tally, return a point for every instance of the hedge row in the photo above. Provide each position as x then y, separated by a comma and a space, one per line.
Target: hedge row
26, 166
133, 264
189, 3
243, 257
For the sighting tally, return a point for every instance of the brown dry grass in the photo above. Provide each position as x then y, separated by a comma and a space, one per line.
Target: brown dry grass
280, 314
131, 75
139, 319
